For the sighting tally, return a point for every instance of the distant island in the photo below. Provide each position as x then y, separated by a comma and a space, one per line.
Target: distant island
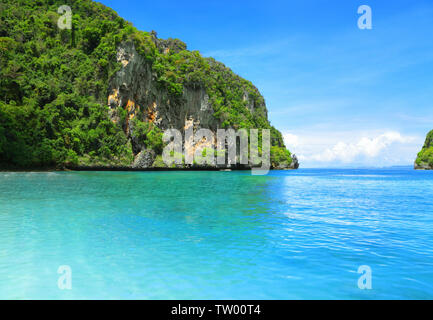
100, 93
424, 160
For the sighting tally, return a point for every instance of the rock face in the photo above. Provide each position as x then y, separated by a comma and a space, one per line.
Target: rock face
292, 166
134, 89
424, 160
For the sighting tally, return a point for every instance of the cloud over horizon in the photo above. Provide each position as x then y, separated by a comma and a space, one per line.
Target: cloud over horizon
385, 149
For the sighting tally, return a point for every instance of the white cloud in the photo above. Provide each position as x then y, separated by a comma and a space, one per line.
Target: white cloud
291, 140
350, 148
368, 147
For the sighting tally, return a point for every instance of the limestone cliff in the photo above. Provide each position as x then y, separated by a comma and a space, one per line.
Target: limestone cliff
135, 89
100, 93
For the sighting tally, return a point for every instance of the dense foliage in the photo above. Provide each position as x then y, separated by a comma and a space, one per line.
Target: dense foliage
54, 86
425, 156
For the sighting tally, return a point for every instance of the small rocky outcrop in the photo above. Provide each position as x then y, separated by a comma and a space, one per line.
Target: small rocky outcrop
293, 165
424, 160
144, 159
422, 166
295, 162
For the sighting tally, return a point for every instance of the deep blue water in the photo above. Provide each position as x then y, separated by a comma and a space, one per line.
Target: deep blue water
217, 235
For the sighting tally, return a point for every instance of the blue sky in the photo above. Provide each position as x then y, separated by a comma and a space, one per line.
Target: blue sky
341, 96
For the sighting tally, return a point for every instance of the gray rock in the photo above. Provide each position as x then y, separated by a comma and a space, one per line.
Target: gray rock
144, 159
422, 166
295, 162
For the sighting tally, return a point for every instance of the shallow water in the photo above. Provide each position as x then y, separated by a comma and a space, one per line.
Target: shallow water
217, 235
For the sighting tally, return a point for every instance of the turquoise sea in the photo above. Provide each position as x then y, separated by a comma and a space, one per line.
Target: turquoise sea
217, 235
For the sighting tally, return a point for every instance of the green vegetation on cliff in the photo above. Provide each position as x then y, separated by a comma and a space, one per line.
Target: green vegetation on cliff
54, 86
425, 156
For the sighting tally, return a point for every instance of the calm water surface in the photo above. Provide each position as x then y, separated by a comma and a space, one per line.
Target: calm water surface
217, 235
